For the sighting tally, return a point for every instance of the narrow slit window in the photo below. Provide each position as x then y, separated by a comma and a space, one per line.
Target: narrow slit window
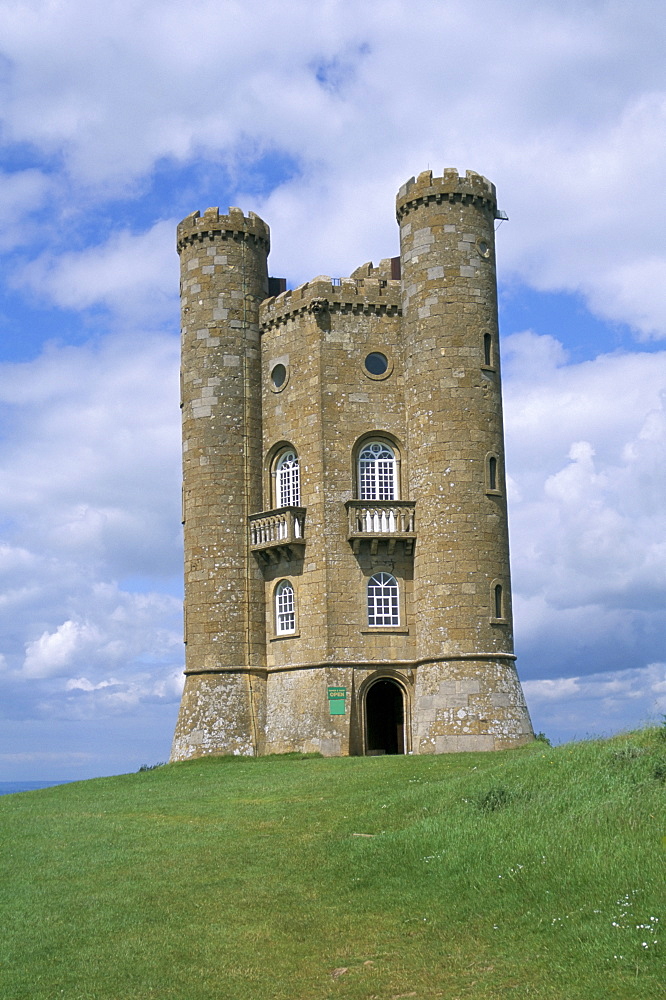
499, 611
383, 600
492, 473
487, 350
285, 609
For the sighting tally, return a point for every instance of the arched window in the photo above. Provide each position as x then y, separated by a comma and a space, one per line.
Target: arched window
487, 350
377, 479
497, 595
383, 603
492, 473
285, 608
287, 484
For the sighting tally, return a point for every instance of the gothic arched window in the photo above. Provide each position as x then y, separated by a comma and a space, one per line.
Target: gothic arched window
498, 601
377, 477
488, 350
492, 473
383, 600
287, 481
285, 608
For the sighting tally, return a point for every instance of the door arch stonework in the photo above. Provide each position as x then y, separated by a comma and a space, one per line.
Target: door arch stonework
385, 713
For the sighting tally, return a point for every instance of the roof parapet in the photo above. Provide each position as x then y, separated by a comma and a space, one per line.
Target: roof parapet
355, 294
196, 227
451, 186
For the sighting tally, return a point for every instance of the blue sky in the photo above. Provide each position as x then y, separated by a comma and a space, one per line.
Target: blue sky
118, 120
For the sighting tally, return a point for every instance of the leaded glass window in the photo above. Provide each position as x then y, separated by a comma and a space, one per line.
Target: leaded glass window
285, 608
377, 472
288, 487
383, 604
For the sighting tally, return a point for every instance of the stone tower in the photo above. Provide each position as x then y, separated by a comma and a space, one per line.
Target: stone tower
223, 281
346, 544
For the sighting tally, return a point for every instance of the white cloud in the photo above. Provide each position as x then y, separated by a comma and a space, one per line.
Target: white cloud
134, 275
586, 446
126, 653
56, 652
92, 464
83, 684
562, 105
110, 131
128, 632
89, 498
123, 692
579, 707
22, 195
635, 288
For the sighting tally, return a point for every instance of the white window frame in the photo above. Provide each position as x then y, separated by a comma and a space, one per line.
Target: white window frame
383, 601
287, 480
285, 608
377, 472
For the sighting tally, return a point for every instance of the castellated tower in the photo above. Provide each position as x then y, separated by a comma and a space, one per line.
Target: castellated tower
223, 281
346, 544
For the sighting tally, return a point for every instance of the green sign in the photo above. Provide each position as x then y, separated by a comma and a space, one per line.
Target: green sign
336, 700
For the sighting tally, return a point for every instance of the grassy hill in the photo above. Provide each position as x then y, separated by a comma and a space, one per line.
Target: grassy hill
534, 873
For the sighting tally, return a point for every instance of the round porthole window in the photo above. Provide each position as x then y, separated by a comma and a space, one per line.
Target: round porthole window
278, 377
377, 365
484, 249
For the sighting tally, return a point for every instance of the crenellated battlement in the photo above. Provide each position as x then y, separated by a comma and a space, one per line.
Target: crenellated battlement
355, 294
347, 579
451, 186
197, 228
385, 270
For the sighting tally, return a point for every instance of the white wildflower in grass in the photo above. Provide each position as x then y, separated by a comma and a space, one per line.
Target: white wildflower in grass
512, 872
637, 936
626, 922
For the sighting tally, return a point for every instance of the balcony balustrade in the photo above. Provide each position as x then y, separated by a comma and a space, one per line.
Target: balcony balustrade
277, 534
373, 522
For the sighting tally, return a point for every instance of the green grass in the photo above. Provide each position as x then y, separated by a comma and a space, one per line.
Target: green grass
534, 873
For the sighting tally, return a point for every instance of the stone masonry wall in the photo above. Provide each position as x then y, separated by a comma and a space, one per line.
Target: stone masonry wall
438, 405
223, 280
454, 420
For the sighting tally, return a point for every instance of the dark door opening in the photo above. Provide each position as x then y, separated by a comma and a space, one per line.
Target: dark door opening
385, 719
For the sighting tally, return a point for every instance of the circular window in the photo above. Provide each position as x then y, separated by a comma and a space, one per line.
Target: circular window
484, 249
278, 377
377, 365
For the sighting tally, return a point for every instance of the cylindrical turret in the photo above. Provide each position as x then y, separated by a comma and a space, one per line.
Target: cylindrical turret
453, 408
223, 280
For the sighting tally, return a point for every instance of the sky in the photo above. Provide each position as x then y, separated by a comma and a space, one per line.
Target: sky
119, 119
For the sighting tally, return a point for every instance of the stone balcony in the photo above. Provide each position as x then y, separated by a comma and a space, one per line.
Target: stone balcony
373, 522
278, 534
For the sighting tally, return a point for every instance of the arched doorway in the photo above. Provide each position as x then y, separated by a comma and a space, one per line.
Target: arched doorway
384, 718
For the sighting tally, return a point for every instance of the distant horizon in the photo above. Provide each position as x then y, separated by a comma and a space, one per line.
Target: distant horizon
34, 784
16, 787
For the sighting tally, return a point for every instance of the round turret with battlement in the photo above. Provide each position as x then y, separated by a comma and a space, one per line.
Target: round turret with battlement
223, 281
462, 589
